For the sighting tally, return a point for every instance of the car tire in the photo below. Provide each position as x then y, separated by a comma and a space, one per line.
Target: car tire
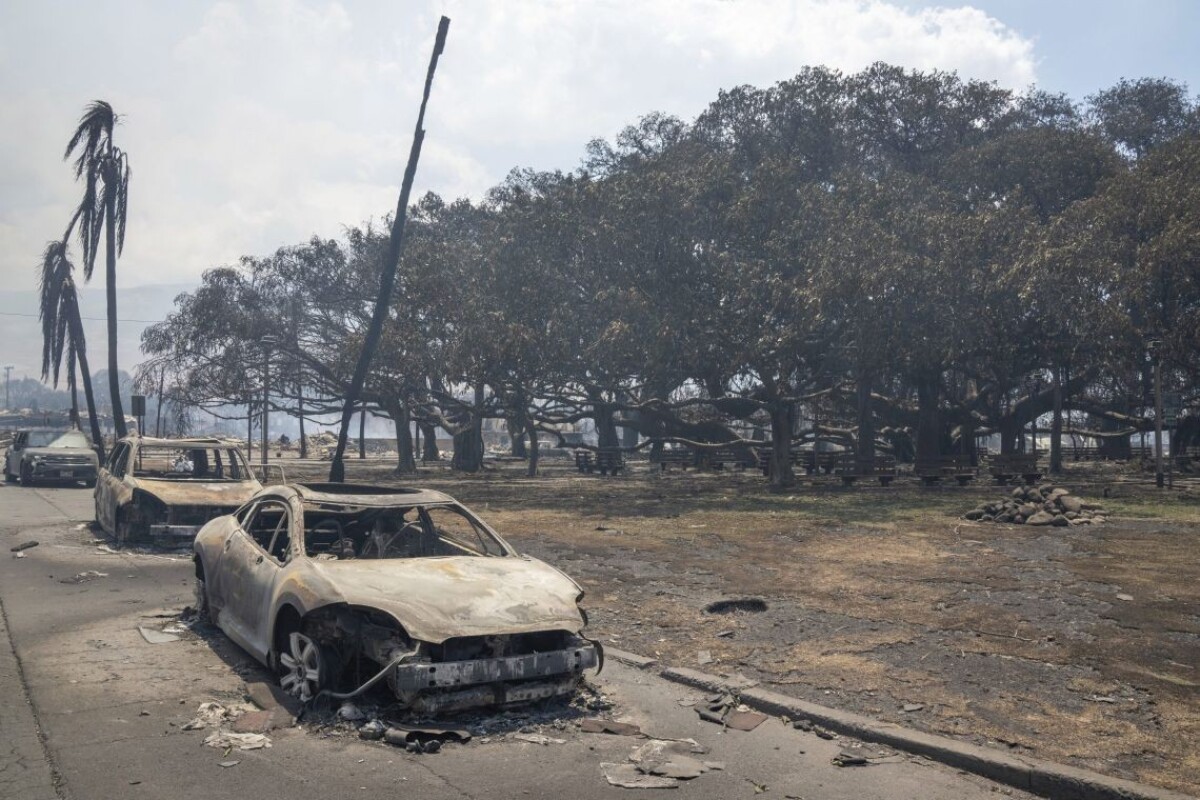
303, 658
91, 484
26, 475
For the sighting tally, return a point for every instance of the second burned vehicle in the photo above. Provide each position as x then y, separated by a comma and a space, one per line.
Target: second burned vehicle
164, 490
341, 587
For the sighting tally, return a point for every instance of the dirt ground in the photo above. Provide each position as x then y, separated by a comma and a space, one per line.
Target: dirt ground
1079, 645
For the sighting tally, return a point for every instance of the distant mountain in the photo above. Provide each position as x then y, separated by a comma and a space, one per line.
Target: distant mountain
21, 332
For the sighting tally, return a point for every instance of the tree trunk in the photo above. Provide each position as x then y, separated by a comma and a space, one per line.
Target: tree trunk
865, 447
783, 416
429, 448
534, 452
85, 373
74, 387
405, 464
929, 419
1056, 426
110, 289
516, 435
362, 432
606, 428
388, 268
468, 443
250, 432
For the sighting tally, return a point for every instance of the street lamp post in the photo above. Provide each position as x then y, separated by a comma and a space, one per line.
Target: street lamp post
7, 377
1155, 348
267, 342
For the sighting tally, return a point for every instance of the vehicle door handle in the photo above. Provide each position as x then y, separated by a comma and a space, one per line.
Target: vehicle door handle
258, 560
228, 542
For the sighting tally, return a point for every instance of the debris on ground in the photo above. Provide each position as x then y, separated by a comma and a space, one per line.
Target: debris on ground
24, 546
844, 759
270, 696
744, 720
372, 731
255, 722
154, 636
84, 577
909, 708
723, 709
538, 738
751, 604
1039, 505
704, 657
228, 764
213, 715
627, 776
348, 712
593, 725
228, 740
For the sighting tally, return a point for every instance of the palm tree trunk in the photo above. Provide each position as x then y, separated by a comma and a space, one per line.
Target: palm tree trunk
81, 353
162, 376
110, 288
387, 282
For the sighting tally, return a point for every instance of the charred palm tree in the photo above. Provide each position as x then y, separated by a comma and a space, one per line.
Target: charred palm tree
104, 169
62, 329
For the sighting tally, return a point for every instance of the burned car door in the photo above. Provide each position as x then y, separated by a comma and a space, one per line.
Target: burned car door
254, 554
106, 485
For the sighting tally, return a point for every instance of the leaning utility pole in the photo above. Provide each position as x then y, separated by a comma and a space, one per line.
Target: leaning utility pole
387, 271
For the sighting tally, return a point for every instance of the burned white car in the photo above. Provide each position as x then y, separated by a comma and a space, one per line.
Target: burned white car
341, 587
162, 491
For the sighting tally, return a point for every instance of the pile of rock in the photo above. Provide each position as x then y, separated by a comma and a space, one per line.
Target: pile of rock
1039, 505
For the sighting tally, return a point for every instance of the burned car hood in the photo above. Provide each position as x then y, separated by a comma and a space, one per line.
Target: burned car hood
199, 493
436, 599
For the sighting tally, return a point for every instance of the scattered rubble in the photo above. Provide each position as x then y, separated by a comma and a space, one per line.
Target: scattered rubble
23, 546
592, 725
84, 577
228, 740
723, 709
154, 636
1039, 505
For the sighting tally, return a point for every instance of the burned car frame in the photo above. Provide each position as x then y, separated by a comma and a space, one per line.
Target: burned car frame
341, 587
162, 491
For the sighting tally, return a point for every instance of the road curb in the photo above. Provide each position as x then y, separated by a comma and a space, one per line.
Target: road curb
1044, 778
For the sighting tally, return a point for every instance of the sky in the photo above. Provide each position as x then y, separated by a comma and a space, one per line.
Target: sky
252, 125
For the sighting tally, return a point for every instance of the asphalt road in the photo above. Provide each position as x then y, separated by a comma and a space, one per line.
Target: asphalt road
91, 710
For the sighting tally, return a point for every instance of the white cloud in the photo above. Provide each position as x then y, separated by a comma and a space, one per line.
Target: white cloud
253, 125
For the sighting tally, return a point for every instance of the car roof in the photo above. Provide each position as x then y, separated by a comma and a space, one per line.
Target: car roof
361, 494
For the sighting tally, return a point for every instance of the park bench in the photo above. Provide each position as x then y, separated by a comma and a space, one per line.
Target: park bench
1004, 467
850, 467
681, 457
933, 470
720, 457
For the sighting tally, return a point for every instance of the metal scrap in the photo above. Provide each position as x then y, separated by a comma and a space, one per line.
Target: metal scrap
609, 726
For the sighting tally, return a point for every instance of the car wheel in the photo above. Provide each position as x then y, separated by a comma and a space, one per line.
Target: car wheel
305, 667
26, 475
91, 484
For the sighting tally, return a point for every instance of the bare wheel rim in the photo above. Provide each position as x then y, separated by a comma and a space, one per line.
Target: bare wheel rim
302, 667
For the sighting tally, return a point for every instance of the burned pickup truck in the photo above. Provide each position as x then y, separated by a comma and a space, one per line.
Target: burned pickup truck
162, 491
340, 588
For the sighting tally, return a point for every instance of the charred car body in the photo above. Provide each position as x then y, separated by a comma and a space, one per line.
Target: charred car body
164, 490
341, 587
51, 455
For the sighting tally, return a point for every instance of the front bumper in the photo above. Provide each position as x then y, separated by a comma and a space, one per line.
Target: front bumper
49, 471
455, 685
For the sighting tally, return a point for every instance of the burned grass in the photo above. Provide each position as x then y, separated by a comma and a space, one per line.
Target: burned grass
1078, 644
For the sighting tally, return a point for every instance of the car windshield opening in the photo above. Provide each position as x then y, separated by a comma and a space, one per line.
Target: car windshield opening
420, 531
58, 439
184, 463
